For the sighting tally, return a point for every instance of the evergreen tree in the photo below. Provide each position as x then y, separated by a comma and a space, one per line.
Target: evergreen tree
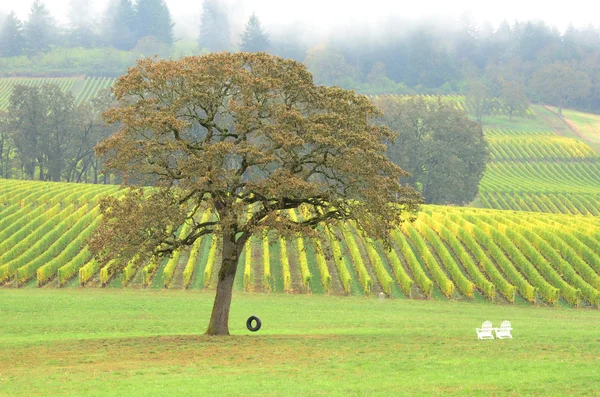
120, 25
12, 40
40, 29
254, 39
214, 28
154, 19
81, 25
289, 44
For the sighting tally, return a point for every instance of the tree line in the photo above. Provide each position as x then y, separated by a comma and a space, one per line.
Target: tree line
531, 61
124, 25
45, 135
526, 59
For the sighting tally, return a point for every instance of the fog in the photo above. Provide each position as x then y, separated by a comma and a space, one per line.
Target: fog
322, 18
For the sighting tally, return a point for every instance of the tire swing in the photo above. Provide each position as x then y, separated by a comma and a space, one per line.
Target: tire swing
255, 327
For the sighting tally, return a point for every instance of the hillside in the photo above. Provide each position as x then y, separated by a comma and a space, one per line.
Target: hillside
542, 172
536, 165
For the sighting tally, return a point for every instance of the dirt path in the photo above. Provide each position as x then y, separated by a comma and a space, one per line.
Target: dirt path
177, 280
562, 126
559, 125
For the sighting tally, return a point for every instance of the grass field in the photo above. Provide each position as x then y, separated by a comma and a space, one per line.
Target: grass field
128, 343
62, 339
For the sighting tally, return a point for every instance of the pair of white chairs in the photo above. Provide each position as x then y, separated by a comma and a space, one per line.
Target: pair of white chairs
486, 331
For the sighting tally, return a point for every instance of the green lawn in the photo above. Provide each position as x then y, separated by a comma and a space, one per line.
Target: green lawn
585, 126
112, 342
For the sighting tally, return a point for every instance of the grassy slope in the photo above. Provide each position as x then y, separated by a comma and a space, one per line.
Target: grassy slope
544, 121
123, 343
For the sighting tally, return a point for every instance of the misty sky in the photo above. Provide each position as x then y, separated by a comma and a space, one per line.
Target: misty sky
324, 15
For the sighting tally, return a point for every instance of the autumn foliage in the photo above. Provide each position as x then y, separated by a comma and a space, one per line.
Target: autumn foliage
241, 134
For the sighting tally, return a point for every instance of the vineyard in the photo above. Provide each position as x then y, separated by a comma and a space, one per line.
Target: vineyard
541, 172
531, 168
83, 89
458, 101
448, 252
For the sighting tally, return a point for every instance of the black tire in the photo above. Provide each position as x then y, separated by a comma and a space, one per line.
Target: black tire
249, 323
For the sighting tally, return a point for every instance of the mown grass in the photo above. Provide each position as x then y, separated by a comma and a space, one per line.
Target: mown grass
543, 121
127, 343
587, 123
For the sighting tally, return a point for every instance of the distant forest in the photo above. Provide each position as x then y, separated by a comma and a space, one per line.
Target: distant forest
526, 60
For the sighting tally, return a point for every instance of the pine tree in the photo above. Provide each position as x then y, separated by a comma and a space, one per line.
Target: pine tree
12, 41
214, 28
154, 19
81, 32
254, 39
120, 25
40, 28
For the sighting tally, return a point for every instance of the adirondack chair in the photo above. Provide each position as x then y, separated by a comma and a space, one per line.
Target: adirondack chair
485, 332
504, 331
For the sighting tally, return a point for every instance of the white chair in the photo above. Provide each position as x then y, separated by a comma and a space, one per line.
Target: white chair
485, 332
504, 331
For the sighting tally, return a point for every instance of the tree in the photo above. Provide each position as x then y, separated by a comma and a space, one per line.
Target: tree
149, 46
27, 114
89, 130
428, 61
81, 24
513, 99
479, 102
120, 23
12, 41
443, 150
43, 125
154, 19
214, 28
289, 43
377, 76
327, 66
40, 28
534, 37
467, 41
254, 39
559, 83
247, 136
5, 147
53, 137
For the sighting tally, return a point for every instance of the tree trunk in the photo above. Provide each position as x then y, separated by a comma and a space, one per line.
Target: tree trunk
219, 319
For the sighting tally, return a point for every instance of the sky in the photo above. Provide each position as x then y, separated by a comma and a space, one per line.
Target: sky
326, 15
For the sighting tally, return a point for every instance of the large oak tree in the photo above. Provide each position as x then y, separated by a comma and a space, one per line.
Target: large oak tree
247, 136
